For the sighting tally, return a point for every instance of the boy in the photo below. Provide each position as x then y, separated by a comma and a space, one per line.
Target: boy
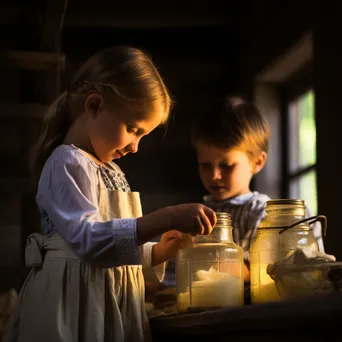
231, 145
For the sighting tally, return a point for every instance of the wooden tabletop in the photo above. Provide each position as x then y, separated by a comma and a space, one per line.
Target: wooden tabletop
311, 319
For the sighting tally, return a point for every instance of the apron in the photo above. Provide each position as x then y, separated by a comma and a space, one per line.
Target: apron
65, 299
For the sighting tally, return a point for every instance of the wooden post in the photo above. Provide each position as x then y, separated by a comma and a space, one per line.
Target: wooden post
49, 81
47, 90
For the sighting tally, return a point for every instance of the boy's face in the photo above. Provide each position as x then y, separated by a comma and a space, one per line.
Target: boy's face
224, 173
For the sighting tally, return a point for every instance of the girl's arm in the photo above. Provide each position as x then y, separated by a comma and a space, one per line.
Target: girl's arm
68, 192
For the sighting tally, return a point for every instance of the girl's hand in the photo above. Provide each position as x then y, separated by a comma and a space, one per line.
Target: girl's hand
168, 246
194, 218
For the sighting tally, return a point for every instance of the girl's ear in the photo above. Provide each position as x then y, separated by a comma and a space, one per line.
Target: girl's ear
93, 103
259, 162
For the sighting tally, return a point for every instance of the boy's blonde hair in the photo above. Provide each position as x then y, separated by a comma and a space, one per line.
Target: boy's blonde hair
234, 124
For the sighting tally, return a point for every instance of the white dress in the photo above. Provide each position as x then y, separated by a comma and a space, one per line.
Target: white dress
86, 282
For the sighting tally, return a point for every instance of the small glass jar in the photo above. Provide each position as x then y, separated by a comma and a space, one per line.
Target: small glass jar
209, 271
274, 240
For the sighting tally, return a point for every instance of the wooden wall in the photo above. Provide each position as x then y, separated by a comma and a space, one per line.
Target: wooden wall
30, 65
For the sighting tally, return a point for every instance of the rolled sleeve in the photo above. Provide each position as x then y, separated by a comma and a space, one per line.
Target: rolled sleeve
152, 274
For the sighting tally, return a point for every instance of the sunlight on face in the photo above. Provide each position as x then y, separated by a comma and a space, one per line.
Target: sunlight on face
113, 135
224, 173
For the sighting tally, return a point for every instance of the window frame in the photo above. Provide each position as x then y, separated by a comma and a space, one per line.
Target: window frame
290, 91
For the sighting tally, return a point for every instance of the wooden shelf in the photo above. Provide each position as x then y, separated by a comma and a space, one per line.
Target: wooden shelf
148, 14
33, 61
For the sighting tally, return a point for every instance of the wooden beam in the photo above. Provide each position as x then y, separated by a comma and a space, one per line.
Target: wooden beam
49, 83
146, 22
22, 111
293, 59
149, 14
34, 61
53, 24
259, 48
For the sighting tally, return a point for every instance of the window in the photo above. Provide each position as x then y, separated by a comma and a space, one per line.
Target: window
301, 139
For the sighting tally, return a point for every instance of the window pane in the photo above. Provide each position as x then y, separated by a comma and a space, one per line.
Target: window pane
305, 187
302, 132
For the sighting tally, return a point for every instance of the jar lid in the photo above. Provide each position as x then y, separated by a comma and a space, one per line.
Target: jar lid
285, 201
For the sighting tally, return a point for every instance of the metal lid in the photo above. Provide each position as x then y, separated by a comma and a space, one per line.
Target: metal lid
285, 201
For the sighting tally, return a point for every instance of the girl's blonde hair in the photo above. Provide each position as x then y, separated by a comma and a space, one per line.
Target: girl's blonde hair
126, 77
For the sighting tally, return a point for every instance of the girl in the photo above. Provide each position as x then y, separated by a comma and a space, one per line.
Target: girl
86, 282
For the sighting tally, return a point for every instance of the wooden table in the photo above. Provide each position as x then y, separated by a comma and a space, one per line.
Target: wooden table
311, 319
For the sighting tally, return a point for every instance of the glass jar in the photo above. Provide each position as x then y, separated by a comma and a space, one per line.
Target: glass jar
209, 271
274, 240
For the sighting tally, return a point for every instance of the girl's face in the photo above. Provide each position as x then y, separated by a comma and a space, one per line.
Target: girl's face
113, 135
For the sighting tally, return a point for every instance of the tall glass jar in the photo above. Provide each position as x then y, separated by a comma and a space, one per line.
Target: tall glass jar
273, 241
209, 271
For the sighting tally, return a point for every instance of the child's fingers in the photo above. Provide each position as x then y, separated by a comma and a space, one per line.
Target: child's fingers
187, 239
206, 224
173, 243
210, 214
173, 234
171, 247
